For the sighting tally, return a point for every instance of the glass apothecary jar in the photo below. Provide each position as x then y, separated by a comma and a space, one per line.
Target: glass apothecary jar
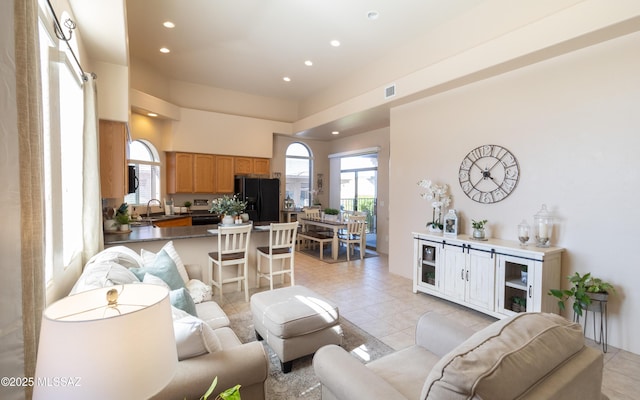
543, 227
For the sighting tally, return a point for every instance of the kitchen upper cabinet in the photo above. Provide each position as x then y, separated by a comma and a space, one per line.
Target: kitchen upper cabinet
180, 172
262, 166
252, 166
204, 173
190, 173
113, 159
224, 174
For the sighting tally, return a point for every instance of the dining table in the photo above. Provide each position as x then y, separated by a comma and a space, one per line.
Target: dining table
333, 225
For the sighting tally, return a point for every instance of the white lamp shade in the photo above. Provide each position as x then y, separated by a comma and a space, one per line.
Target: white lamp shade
89, 351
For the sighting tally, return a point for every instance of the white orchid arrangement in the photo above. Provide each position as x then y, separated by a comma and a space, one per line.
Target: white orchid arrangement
437, 194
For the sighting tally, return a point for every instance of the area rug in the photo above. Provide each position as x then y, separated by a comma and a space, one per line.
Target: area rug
342, 254
301, 382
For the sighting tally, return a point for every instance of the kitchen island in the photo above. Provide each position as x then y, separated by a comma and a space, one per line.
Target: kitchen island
193, 244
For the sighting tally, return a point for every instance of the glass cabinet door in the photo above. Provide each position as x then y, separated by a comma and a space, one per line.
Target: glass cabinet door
428, 257
516, 277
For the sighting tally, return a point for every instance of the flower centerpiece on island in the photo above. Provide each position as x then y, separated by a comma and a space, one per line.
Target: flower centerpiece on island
437, 194
228, 205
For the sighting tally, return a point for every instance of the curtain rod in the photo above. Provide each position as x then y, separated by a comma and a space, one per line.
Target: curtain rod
58, 29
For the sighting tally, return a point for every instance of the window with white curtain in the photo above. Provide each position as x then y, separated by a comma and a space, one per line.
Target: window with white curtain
63, 119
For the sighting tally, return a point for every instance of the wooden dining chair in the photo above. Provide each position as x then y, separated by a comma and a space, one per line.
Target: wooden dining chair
282, 240
233, 249
355, 234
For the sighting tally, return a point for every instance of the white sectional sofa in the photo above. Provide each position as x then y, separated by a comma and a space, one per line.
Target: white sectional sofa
207, 347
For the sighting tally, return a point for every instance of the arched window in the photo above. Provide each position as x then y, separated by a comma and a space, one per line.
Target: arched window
298, 174
144, 159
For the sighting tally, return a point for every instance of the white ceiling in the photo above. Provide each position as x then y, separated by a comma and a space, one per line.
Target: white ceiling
250, 45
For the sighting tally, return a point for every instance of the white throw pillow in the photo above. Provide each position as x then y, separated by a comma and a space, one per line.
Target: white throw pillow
154, 280
193, 336
119, 254
200, 292
102, 274
148, 258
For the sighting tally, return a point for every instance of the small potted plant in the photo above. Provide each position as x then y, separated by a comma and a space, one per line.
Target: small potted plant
518, 304
122, 217
478, 228
583, 291
331, 214
187, 205
227, 207
431, 278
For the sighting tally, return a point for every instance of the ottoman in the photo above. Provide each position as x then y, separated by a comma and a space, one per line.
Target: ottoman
295, 322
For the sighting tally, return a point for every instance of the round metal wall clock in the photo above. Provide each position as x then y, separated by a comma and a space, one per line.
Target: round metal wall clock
488, 174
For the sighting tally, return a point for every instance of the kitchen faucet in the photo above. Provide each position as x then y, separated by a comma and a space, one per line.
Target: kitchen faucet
149, 205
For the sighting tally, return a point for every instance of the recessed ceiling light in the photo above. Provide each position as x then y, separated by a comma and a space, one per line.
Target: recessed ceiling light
335, 43
165, 50
335, 133
169, 24
373, 15
286, 79
152, 114
308, 63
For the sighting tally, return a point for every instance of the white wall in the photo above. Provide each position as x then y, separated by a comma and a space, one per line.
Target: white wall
572, 122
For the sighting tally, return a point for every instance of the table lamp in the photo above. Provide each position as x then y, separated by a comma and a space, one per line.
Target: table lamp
109, 343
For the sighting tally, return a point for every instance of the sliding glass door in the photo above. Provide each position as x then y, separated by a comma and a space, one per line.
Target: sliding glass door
359, 188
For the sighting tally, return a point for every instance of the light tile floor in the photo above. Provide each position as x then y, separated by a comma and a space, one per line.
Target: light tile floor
384, 305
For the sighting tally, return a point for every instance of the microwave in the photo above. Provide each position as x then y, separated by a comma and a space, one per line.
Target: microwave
133, 180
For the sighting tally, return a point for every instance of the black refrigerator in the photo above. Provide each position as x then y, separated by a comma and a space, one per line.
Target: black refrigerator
262, 197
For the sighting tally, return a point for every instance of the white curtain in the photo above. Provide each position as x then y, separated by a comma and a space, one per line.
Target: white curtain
91, 203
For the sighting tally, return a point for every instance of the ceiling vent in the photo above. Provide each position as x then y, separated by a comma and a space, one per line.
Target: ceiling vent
390, 91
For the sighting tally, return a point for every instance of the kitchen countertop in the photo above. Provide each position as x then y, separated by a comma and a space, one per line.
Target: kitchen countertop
150, 233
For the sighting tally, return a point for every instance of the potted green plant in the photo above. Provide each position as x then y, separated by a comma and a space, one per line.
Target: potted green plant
519, 304
478, 228
331, 214
584, 289
122, 217
227, 207
229, 394
431, 277
187, 205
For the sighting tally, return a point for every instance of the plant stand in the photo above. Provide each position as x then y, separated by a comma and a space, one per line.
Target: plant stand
598, 306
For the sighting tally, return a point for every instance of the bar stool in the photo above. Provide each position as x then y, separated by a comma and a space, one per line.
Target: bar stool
233, 249
282, 241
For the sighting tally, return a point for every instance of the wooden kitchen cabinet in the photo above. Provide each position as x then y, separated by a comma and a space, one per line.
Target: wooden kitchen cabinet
224, 174
252, 166
113, 159
180, 221
190, 173
204, 166
262, 166
179, 172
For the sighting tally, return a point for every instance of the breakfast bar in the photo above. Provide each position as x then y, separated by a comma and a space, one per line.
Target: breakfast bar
193, 243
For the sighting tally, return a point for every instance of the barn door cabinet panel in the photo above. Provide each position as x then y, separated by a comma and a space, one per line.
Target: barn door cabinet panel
113, 159
496, 277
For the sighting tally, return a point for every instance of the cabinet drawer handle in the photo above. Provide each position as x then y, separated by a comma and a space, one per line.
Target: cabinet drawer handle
467, 275
462, 274
530, 290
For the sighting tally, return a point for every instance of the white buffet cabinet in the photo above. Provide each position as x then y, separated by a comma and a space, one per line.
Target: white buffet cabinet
486, 275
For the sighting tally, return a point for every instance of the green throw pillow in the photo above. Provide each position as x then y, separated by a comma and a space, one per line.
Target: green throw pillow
181, 299
164, 268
